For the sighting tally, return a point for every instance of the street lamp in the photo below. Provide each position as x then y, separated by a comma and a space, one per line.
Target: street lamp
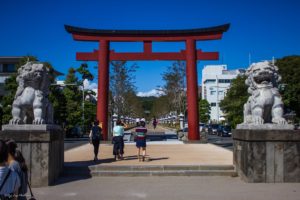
83, 129
181, 118
115, 117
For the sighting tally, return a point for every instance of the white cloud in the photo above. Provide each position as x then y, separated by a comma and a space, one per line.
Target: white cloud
94, 86
88, 85
153, 92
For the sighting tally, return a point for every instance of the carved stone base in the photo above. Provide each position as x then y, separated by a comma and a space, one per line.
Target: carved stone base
267, 155
43, 150
266, 126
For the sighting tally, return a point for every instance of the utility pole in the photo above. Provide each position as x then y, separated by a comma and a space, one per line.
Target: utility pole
217, 104
83, 128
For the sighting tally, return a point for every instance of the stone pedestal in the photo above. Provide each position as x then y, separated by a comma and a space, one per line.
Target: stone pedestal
43, 150
267, 155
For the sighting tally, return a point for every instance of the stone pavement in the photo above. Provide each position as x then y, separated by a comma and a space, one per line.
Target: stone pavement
166, 188
160, 154
171, 152
161, 187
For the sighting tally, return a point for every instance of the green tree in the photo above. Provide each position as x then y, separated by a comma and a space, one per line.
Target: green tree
85, 73
133, 106
175, 85
233, 103
59, 103
289, 69
204, 110
56, 97
161, 106
89, 113
73, 98
89, 106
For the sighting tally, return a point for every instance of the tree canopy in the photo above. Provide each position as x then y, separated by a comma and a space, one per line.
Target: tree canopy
233, 103
123, 99
289, 69
11, 87
204, 111
175, 84
74, 96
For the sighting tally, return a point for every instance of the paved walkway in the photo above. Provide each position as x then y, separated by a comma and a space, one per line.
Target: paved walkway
160, 154
172, 152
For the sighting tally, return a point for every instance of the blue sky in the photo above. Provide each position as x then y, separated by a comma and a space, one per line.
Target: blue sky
264, 28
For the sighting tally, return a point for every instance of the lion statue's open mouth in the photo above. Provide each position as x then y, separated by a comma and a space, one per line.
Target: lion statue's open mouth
263, 78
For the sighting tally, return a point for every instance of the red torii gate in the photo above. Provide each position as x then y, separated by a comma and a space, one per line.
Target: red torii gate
191, 55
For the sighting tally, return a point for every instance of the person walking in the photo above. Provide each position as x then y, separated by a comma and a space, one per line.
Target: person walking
154, 123
141, 140
95, 136
118, 141
9, 180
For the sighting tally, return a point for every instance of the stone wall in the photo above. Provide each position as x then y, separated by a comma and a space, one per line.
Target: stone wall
43, 150
267, 155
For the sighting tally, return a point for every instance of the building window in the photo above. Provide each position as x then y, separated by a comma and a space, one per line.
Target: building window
209, 81
213, 104
220, 92
9, 68
212, 92
224, 81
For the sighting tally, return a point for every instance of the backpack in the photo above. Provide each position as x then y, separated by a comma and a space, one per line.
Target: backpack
96, 132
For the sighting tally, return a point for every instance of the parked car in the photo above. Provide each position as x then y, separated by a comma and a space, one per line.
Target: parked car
74, 132
201, 127
213, 129
224, 131
205, 128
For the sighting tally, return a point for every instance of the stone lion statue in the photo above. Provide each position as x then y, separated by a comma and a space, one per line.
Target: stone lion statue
31, 104
265, 104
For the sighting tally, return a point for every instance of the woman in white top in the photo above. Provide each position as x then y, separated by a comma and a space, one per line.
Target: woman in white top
118, 133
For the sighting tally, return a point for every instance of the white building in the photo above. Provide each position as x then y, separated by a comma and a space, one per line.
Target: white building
216, 80
7, 69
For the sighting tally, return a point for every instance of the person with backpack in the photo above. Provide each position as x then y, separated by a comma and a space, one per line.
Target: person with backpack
95, 136
9, 179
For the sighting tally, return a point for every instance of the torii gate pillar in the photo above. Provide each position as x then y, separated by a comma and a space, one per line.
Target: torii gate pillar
103, 86
192, 89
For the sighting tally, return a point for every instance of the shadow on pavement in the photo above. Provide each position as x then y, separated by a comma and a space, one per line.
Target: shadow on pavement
162, 158
79, 170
